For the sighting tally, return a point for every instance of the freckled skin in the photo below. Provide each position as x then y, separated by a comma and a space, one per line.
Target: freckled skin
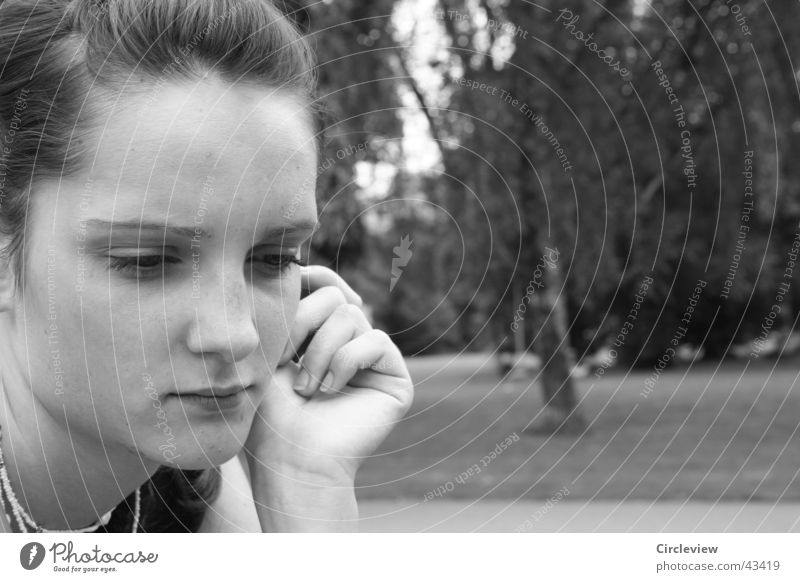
229, 160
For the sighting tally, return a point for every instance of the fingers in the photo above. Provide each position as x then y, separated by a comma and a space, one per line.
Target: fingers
311, 314
344, 323
327, 291
315, 277
371, 354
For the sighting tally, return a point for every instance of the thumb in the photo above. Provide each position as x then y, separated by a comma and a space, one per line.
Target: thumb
279, 401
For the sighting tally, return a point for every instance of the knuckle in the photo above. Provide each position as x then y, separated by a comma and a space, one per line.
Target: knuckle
315, 318
341, 310
380, 336
407, 400
404, 397
344, 359
350, 310
315, 364
335, 294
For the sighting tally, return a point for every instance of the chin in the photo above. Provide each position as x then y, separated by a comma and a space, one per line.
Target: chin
198, 459
200, 449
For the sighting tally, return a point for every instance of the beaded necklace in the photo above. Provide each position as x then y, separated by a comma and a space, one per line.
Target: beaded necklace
26, 524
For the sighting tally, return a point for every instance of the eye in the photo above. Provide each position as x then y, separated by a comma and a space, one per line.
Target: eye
141, 265
274, 264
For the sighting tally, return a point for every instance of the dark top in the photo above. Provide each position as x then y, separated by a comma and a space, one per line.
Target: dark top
172, 501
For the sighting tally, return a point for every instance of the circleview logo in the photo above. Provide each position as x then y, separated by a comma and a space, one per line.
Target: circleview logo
31, 555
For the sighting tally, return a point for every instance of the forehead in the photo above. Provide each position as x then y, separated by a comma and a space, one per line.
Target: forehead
174, 139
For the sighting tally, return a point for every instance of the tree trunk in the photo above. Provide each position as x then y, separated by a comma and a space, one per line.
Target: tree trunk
560, 414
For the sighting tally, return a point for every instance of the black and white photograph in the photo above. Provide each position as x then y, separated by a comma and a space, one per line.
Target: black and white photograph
414, 267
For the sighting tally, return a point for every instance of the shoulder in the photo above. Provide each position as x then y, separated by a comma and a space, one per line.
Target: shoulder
233, 509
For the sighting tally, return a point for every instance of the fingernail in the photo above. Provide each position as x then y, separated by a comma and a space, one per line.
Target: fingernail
327, 383
301, 381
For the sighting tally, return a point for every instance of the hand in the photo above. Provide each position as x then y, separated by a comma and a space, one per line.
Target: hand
321, 418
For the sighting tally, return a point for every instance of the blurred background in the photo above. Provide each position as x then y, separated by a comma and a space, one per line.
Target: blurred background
580, 222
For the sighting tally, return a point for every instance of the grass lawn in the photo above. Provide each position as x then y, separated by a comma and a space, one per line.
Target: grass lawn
704, 433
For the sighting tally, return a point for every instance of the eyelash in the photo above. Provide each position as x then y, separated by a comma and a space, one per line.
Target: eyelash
133, 265
286, 261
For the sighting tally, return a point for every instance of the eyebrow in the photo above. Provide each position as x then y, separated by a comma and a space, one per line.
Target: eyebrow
303, 227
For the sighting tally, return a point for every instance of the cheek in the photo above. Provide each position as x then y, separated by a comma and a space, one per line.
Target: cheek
275, 313
124, 329
67, 330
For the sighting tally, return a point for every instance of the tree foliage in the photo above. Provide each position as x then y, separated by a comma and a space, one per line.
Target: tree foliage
543, 143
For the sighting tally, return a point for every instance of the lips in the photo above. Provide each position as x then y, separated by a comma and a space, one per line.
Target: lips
216, 400
216, 392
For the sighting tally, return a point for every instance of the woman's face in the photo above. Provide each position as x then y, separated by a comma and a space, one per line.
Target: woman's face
159, 280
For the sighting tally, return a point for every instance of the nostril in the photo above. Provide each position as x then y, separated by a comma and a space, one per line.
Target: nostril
230, 340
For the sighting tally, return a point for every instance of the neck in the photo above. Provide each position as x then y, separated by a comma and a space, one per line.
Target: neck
64, 479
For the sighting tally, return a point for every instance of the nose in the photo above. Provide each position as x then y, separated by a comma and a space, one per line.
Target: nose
223, 324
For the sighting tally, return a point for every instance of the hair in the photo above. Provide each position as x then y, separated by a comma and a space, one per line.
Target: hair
59, 59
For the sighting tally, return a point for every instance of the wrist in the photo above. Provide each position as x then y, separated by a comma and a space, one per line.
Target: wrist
309, 498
